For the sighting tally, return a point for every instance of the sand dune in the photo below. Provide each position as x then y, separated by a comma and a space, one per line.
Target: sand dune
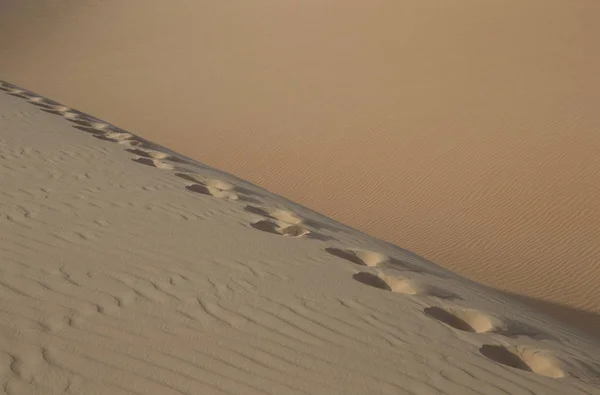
465, 131
117, 279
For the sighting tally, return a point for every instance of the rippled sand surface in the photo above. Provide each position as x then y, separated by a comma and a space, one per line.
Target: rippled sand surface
467, 132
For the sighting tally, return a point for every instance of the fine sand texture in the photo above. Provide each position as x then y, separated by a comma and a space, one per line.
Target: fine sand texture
466, 131
127, 268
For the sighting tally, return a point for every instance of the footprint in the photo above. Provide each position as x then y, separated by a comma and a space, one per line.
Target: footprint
360, 257
280, 228
218, 184
154, 154
90, 125
217, 188
277, 214
402, 285
470, 320
43, 102
154, 163
119, 137
148, 153
57, 109
387, 283
525, 358
212, 191
463, 319
23, 94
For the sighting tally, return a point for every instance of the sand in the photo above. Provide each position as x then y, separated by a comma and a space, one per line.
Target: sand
466, 132
128, 268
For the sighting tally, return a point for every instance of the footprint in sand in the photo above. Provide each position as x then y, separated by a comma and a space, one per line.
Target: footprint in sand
360, 257
154, 154
470, 320
375, 259
210, 187
43, 102
118, 137
402, 285
216, 188
276, 214
154, 163
212, 191
218, 184
526, 358
290, 217
543, 362
283, 222
281, 228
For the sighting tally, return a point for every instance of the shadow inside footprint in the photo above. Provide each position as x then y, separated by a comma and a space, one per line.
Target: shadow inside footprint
154, 163
257, 211
371, 280
265, 226
503, 356
448, 318
187, 177
198, 188
441, 293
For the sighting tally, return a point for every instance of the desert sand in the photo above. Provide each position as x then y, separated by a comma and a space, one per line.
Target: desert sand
465, 131
127, 268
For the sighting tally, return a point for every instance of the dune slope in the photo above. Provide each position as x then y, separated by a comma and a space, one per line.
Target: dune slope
465, 131
130, 269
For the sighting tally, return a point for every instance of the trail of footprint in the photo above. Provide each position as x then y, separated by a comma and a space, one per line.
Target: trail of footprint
100, 129
470, 320
402, 285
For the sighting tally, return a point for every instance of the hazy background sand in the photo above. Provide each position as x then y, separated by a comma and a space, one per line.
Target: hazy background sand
467, 132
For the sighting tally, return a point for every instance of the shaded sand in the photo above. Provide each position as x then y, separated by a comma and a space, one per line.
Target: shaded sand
118, 278
465, 131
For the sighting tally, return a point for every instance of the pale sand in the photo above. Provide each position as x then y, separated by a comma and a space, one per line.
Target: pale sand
465, 131
129, 269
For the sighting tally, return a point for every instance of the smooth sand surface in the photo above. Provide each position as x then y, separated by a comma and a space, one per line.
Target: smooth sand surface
465, 131
129, 269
